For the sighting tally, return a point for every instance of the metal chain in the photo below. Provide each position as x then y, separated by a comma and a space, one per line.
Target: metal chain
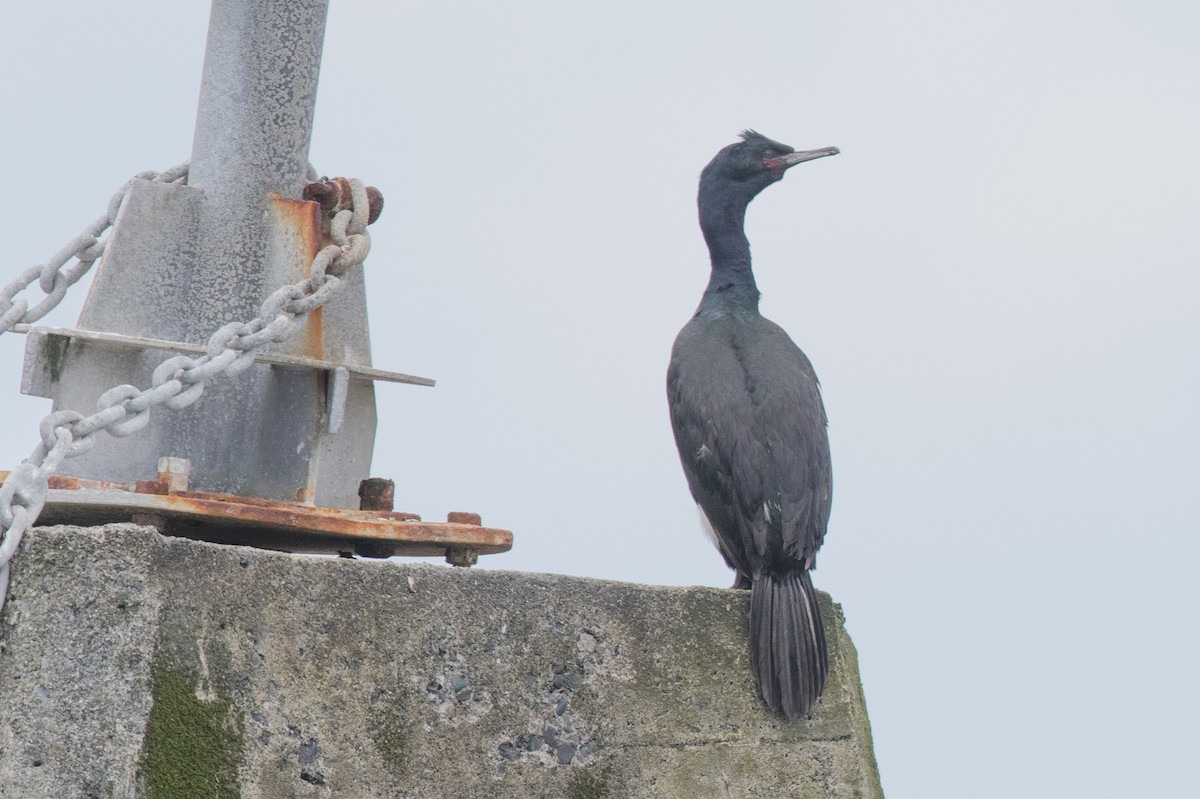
178, 381
86, 247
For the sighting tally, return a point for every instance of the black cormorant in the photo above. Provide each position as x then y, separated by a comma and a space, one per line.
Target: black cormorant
751, 430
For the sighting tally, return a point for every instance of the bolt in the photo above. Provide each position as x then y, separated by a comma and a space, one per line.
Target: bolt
325, 193
174, 473
462, 556
376, 493
333, 194
461, 517
374, 204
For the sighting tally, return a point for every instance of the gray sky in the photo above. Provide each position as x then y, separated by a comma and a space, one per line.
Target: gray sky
996, 281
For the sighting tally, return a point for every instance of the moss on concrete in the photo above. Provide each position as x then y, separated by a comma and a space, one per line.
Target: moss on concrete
192, 747
389, 730
591, 783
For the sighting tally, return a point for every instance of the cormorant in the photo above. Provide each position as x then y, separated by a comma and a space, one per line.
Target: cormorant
751, 431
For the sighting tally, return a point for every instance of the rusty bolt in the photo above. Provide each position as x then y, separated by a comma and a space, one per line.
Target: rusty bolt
459, 517
376, 493
332, 194
325, 193
374, 204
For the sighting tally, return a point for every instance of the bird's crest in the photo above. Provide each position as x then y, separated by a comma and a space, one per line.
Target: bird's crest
751, 136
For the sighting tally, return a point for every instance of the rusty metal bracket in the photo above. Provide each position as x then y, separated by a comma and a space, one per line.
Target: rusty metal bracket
167, 505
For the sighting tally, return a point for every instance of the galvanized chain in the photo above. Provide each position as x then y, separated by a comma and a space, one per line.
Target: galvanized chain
87, 247
179, 381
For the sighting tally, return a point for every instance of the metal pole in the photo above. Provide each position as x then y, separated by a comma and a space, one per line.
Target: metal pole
185, 260
253, 127
257, 97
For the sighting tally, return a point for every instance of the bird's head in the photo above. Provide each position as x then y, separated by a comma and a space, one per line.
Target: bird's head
754, 163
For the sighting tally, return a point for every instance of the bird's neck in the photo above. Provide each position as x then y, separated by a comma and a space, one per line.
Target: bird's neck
731, 285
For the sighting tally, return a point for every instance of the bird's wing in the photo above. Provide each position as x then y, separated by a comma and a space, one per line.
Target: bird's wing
713, 422
750, 428
791, 417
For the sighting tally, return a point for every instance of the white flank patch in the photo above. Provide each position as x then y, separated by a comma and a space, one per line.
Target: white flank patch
708, 528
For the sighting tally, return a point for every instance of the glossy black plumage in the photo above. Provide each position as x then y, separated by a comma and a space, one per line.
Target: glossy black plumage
751, 431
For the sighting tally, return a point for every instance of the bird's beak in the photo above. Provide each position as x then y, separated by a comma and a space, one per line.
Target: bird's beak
791, 159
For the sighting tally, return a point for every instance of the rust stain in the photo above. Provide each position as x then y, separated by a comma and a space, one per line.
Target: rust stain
303, 219
62, 482
59, 481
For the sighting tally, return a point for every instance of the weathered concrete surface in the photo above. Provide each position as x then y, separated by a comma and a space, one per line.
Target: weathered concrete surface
133, 665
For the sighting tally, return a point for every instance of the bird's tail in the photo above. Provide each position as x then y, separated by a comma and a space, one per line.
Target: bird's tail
787, 642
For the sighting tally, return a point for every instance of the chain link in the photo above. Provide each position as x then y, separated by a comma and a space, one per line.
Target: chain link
87, 247
178, 381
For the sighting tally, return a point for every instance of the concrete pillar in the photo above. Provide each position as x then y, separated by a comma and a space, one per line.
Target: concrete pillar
137, 665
